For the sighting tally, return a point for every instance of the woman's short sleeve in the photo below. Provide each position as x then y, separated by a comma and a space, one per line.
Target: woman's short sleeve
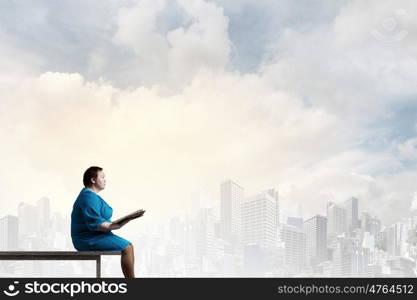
92, 214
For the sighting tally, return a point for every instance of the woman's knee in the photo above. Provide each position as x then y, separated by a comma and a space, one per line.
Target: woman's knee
128, 248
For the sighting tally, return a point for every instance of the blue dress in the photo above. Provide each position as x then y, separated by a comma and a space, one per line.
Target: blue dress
89, 211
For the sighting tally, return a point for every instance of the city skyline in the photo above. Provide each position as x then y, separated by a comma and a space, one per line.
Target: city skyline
195, 243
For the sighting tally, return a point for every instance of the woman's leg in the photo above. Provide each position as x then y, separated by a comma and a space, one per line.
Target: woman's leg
128, 262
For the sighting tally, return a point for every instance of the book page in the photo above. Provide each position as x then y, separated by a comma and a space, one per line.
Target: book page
136, 214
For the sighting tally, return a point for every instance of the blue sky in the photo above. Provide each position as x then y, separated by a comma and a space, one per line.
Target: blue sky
75, 29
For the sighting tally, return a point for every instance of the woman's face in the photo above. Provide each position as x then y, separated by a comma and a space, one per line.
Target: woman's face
100, 181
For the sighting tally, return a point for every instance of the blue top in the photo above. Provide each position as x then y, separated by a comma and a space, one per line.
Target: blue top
89, 211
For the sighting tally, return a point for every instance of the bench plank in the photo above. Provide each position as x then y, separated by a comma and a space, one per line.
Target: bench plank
58, 255
66, 253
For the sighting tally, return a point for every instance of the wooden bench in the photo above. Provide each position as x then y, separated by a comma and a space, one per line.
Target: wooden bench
58, 255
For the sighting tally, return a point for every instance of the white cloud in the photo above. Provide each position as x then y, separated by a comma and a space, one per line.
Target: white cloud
408, 149
176, 56
220, 126
343, 67
376, 179
137, 29
299, 123
389, 22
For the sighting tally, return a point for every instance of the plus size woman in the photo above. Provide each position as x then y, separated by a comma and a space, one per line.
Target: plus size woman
91, 225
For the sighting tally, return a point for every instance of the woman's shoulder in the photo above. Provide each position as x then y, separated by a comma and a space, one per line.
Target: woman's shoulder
86, 195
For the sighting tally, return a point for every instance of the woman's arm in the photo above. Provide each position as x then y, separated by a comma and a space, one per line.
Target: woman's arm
106, 226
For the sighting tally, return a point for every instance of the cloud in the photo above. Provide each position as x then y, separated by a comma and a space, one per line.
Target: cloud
256, 25
342, 67
137, 29
313, 120
408, 149
376, 179
220, 126
176, 56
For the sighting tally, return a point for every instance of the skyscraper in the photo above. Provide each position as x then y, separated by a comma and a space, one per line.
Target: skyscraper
259, 223
295, 221
27, 215
231, 197
274, 194
397, 239
370, 224
294, 247
43, 214
336, 220
349, 259
8, 233
352, 218
205, 238
315, 230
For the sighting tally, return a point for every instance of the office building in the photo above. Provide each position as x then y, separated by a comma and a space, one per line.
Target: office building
260, 220
315, 230
8, 233
231, 197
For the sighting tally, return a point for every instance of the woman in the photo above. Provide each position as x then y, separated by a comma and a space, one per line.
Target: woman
91, 225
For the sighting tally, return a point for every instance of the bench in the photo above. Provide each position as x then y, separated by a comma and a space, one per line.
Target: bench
58, 255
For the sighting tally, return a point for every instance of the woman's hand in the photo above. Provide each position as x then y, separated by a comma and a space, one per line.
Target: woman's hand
114, 226
106, 226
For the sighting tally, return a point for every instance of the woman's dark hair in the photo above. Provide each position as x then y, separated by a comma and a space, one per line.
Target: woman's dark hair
89, 174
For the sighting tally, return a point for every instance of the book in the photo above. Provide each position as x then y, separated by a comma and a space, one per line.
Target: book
136, 214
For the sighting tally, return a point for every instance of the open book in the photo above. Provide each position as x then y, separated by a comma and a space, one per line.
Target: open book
136, 214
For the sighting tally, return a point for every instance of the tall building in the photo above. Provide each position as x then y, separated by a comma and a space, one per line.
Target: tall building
315, 230
231, 197
259, 220
349, 259
58, 224
295, 221
274, 194
200, 243
8, 233
27, 215
336, 220
397, 239
43, 214
352, 218
294, 241
370, 224
205, 238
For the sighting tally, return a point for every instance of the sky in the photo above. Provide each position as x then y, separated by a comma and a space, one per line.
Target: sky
314, 98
